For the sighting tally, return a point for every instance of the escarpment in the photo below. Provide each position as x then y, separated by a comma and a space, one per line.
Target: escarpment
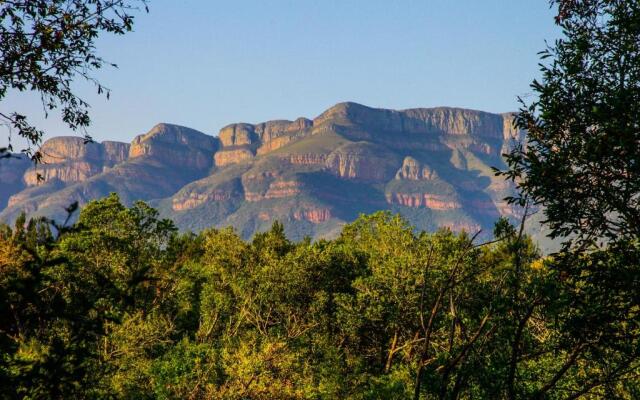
71, 159
433, 165
227, 156
362, 161
154, 165
242, 142
114, 152
418, 121
175, 145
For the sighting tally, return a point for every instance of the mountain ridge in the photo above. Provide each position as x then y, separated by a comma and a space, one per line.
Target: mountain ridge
433, 165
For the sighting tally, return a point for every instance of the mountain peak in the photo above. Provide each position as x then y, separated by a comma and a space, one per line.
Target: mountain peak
172, 133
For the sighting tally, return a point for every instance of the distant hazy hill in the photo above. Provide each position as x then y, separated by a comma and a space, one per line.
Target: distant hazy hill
432, 165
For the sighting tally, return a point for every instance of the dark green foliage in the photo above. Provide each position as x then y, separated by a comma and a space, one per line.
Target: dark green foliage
121, 306
581, 165
49, 325
581, 162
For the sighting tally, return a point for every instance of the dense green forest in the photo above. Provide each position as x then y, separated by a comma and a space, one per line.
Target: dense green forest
120, 305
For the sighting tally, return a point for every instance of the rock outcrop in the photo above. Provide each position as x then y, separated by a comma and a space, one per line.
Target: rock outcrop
155, 165
362, 161
242, 142
71, 159
237, 135
414, 170
233, 155
275, 144
196, 199
313, 215
68, 148
275, 190
176, 146
424, 200
114, 152
308, 159
70, 171
271, 130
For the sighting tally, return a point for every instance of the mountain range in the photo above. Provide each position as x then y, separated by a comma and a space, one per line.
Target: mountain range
432, 165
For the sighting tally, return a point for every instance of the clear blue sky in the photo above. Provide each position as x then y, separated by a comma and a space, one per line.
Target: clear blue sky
205, 64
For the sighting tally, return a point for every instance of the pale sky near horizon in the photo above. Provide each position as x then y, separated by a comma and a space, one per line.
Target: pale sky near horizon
205, 64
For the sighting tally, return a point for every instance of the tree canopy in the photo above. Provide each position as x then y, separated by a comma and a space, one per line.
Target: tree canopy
120, 305
582, 160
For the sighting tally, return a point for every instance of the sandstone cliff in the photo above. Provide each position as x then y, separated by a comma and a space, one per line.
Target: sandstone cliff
175, 145
155, 165
242, 142
414, 170
70, 159
362, 161
418, 121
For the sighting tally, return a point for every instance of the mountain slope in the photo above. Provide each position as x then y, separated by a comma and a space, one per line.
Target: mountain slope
154, 165
432, 165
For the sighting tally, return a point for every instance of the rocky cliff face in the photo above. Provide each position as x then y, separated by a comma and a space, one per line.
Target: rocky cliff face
154, 165
232, 155
414, 170
419, 121
242, 142
114, 152
362, 161
73, 171
68, 148
432, 165
271, 130
69, 159
424, 200
176, 146
313, 215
